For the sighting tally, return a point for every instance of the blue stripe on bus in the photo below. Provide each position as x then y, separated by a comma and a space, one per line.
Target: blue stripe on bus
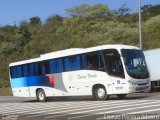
31, 81
19, 82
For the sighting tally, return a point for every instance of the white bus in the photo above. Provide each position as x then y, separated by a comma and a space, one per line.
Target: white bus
98, 71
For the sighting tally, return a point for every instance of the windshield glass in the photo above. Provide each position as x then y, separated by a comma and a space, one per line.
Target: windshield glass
135, 63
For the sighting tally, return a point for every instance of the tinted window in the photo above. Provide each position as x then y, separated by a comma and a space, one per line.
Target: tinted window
16, 72
113, 62
72, 63
56, 65
25, 70
45, 67
19, 71
60, 65
31, 69
36, 69
94, 61
13, 72
42, 68
53, 66
83, 62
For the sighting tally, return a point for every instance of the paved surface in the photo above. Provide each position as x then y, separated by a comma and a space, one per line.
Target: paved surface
82, 108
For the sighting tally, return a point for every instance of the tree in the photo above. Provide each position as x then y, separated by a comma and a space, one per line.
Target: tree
7, 48
85, 11
55, 18
123, 10
22, 36
123, 14
149, 11
153, 25
35, 20
53, 23
151, 34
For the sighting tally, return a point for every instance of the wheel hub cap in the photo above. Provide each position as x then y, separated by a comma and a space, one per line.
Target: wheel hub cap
41, 96
101, 93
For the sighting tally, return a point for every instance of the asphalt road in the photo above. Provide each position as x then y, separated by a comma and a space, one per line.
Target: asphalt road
82, 108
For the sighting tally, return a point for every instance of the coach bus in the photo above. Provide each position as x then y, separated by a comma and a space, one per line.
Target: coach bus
99, 71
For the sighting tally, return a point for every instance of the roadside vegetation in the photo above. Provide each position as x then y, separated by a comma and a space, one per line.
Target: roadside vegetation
85, 26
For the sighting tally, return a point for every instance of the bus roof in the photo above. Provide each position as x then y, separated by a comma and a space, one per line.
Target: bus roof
72, 51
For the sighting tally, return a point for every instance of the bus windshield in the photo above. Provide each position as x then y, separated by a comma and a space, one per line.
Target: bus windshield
135, 63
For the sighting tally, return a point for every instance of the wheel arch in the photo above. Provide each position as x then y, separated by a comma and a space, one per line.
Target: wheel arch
39, 89
43, 94
97, 85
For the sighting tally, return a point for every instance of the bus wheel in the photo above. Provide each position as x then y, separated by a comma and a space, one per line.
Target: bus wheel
41, 96
100, 93
121, 96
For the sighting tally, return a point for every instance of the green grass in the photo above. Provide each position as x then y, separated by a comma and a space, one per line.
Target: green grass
5, 92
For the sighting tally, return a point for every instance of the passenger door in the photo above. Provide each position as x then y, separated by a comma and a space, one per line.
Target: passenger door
115, 69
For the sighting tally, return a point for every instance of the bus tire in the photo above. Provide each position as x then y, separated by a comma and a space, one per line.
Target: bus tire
41, 96
121, 96
100, 93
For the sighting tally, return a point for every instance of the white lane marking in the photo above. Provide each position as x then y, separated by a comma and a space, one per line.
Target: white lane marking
117, 110
34, 107
145, 111
63, 107
104, 107
20, 107
76, 108
7, 106
24, 107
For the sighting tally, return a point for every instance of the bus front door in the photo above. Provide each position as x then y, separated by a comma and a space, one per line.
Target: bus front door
114, 68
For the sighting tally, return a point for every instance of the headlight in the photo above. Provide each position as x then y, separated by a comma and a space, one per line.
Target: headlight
132, 83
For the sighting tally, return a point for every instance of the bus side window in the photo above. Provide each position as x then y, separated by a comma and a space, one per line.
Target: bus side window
36, 69
83, 61
55, 66
25, 70
14, 72
43, 68
100, 62
31, 69
72, 63
68, 63
59, 63
19, 71
92, 60
77, 63
52, 66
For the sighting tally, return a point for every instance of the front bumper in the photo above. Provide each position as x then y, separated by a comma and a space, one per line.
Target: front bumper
140, 88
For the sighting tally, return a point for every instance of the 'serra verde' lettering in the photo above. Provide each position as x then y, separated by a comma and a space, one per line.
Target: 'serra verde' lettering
86, 76
81, 77
92, 75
